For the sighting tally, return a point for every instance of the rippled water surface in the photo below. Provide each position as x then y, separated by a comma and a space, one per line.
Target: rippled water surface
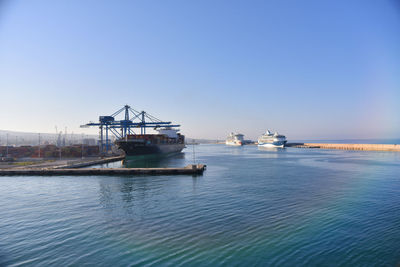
286, 207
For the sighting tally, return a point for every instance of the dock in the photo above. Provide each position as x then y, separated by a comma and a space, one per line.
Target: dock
90, 162
365, 147
188, 170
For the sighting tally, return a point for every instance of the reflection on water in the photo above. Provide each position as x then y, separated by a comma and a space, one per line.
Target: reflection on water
272, 152
272, 149
129, 198
234, 150
154, 161
125, 195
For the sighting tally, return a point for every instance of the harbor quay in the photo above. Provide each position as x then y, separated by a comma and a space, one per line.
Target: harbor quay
192, 169
79, 167
54, 163
130, 139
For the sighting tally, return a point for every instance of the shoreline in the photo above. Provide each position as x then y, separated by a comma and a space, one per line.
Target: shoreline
364, 147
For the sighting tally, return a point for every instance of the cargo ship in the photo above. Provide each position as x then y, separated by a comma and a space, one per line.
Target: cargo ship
166, 141
131, 136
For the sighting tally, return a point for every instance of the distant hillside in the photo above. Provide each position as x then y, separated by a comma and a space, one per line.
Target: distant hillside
30, 138
202, 141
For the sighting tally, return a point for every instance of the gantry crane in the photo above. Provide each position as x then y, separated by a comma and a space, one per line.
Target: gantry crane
123, 128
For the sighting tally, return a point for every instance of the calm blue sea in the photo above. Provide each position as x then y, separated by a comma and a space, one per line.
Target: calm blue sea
285, 207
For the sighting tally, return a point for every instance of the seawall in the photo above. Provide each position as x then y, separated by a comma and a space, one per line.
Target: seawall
367, 147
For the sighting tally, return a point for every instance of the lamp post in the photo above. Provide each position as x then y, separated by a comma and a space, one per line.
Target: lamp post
194, 155
82, 146
7, 147
39, 145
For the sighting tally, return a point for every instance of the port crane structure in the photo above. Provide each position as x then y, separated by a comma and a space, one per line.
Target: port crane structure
133, 119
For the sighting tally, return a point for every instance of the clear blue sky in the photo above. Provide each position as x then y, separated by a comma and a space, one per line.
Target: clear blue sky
309, 69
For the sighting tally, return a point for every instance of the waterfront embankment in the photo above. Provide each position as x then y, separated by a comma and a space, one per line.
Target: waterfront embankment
366, 147
189, 169
35, 163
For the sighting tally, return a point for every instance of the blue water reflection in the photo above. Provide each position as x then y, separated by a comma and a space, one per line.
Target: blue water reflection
285, 207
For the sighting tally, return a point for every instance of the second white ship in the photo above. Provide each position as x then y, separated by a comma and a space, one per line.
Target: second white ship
270, 139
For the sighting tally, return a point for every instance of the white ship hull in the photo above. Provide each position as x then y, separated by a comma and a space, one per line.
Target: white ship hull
271, 145
233, 143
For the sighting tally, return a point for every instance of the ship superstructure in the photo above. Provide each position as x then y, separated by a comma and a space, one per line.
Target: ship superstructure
270, 139
234, 139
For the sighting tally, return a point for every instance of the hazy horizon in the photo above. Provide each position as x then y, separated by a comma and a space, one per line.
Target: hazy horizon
310, 70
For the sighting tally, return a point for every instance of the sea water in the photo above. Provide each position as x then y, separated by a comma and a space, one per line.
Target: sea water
252, 207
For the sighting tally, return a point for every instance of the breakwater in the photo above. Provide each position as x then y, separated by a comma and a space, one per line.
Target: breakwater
367, 147
190, 169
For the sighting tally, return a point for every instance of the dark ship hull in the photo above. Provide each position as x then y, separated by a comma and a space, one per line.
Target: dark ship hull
137, 149
141, 145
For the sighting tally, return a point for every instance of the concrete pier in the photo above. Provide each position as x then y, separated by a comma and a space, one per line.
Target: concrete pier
188, 170
367, 147
65, 163
90, 162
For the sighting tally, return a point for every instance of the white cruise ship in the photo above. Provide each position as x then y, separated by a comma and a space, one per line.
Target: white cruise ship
270, 139
234, 139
